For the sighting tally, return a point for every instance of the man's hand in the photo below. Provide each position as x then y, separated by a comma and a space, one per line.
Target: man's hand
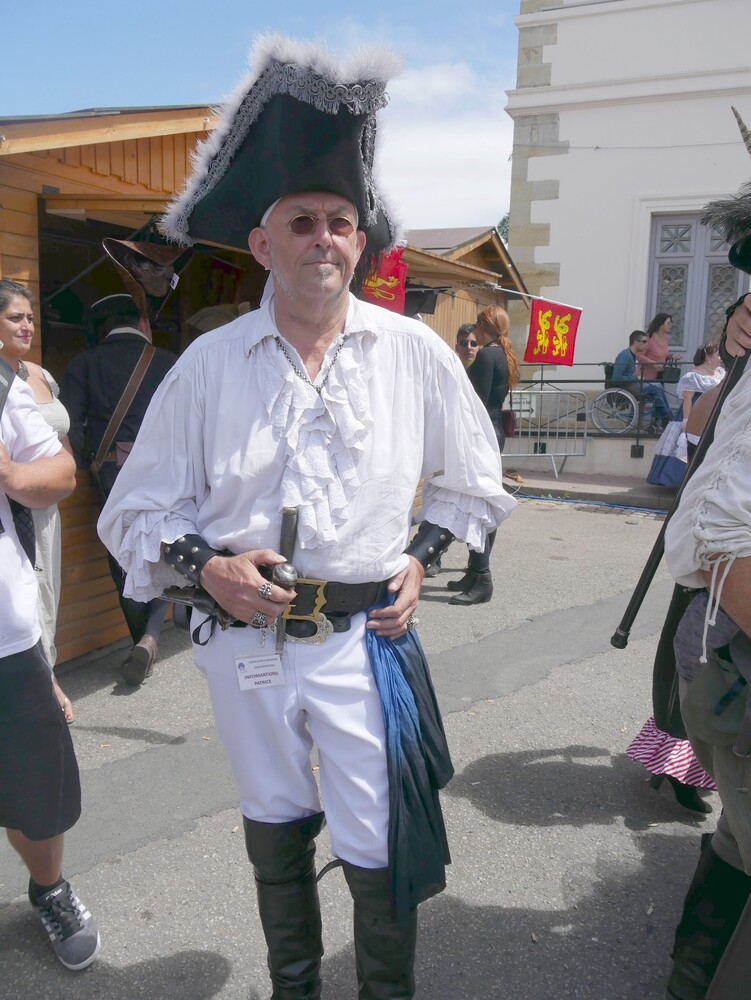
738, 339
39, 483
391, 622
233, 582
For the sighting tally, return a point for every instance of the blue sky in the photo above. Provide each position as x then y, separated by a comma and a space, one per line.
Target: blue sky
445, 141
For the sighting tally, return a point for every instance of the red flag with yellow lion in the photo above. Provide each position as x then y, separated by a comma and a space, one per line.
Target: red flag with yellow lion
386, 285
552, 333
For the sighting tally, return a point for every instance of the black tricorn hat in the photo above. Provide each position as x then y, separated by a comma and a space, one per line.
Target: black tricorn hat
301, 122
731, 217
149, 271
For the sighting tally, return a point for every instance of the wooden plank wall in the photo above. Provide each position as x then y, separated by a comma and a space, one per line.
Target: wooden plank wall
89, 614
453, 309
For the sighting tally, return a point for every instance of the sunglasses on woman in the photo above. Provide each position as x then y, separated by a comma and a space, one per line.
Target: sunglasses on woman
467, 343
306, 225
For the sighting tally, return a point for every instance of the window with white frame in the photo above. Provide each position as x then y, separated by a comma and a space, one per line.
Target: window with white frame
691, 278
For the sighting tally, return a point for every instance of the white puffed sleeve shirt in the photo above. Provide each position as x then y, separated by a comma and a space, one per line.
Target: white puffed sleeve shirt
28, 437
233, 435
712, 526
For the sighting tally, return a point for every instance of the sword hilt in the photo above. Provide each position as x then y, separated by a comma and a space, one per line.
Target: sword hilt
285, 575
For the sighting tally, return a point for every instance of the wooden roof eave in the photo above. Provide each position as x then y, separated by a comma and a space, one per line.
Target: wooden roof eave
423, 265
427, 266
31, 137
456, 253
132, 211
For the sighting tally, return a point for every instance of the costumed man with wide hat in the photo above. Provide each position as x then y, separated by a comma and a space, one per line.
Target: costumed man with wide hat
708, 547
298, 434
106, 391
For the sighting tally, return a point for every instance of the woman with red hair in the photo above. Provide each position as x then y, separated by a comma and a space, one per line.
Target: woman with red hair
494, 371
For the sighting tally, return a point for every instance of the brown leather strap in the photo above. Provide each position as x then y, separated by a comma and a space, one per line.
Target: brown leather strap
123, 405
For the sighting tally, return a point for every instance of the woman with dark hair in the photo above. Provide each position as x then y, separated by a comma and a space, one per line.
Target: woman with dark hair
670, 460
706, 374
658, 347
16, 334
494, 371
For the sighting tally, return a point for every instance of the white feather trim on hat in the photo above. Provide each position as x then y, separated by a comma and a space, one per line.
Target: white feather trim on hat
306, 70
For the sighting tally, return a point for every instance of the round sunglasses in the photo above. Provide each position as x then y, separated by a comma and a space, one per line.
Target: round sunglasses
306, 225
467, 343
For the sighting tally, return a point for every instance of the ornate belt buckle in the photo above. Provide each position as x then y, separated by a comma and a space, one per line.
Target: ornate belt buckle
324, 629
315, 614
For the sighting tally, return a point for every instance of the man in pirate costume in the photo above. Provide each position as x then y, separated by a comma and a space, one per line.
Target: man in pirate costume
94, 386
708, 547
326, 411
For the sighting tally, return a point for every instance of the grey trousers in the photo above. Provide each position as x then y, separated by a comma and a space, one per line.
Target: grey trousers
731, 840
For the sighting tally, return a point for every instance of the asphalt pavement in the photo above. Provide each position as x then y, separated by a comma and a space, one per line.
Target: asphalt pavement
568, 870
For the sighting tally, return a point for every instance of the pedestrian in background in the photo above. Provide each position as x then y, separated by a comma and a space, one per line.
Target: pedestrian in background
16, 335
494, 371
671, 451
466, 344
94, 384
40, 793
656, 351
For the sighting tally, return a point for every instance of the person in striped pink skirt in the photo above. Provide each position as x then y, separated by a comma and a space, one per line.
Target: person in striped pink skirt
662, 745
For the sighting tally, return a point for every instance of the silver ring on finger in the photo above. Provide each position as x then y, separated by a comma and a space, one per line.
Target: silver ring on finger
264, 590
412, 622
258, 620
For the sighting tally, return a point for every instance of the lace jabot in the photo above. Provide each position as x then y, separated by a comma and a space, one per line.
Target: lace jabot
323, 433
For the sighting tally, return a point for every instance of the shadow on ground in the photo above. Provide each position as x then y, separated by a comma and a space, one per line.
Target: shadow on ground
572, 786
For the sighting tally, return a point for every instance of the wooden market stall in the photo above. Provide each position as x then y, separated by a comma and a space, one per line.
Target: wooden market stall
65, 182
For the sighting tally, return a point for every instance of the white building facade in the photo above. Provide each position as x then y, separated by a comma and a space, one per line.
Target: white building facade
623, 131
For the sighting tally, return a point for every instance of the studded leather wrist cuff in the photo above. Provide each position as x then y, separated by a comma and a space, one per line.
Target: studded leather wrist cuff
429, 544
188, 555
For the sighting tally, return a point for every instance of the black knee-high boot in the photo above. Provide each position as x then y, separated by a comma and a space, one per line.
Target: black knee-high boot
282, 855
384, 947
714, 903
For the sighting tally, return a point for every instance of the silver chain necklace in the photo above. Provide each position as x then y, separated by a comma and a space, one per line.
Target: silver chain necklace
304, 375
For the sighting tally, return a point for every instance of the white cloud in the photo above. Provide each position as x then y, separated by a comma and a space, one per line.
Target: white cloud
444, 147
441, 85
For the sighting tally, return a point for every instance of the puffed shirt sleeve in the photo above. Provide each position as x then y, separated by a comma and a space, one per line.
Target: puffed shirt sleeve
24, 431
712, 526
159, 490
463, 490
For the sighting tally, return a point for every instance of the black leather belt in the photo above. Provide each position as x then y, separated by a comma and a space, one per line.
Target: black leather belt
333, 598
337, 602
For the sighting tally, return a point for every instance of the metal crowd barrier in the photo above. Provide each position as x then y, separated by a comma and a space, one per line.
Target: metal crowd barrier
550, 423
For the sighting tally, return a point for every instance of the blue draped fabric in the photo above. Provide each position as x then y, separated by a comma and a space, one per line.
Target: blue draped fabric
418, 765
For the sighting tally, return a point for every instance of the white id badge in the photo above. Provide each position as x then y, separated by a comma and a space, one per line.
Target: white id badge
258, 670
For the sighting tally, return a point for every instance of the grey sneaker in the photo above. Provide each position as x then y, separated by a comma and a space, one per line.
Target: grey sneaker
70, 927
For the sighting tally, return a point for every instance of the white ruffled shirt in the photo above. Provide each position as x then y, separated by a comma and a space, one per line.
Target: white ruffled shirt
232, 435
27, 437
712, 526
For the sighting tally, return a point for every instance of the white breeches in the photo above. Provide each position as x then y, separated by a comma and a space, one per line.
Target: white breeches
329, 698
